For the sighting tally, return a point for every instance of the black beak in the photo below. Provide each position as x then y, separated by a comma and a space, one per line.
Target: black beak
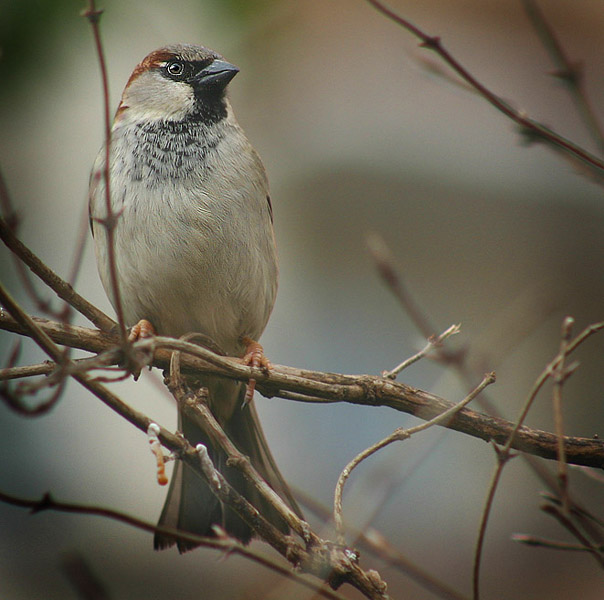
216, 75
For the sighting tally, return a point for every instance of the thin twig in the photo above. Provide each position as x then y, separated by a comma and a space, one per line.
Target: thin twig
567, 71
589, 522
532, 129
196, 408
384, 262
375, 542
53, 281
596, 551
320, 559
559, 377
433, 342
397, 435
11, 221
78, 256
504, 453
530, 540
227, 545
109, 222
385, 265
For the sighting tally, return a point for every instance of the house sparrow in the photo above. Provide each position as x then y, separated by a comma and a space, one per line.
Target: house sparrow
194, 252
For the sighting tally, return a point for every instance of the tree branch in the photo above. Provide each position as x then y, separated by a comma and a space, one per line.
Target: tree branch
53, 281
315, 386
532, 129
228, 545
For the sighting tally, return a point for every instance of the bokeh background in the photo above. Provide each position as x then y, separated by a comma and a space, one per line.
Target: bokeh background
358, 135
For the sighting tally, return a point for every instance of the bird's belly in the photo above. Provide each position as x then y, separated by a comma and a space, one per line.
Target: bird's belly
189, 279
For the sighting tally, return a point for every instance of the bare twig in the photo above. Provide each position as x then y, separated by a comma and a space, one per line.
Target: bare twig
386, 267
530, 540
532, 129
81, 577
375, 542
590, 523
27, 371
584, 526
321, 559
10, 220
559, 376
397, 435
110, 220
53, 281
504, 454
227, 545
567, 71
433, 342
384, 262
595, 550
316, 386
196, 408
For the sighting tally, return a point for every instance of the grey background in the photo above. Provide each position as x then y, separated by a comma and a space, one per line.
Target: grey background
357, 136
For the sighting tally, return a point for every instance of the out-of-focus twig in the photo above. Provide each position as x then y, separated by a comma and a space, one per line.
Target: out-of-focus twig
530, 128
530, 540
559, 375
571, 73
84, 581
228, 545
53, 281
564, 519
375, 542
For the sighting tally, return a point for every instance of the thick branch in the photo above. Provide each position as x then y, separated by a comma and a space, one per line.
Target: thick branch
327, 561
314, 386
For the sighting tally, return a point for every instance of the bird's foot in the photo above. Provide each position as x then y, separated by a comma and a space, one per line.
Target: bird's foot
253, 357
142, 330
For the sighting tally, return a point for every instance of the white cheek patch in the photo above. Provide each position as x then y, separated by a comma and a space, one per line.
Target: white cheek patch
151, 96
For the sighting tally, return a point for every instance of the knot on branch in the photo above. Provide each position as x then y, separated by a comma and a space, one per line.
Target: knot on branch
92, 14
45, 503
239, 462
332, 562
377, 582
432, 42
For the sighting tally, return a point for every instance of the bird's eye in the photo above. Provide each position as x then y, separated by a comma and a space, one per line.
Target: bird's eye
175, 68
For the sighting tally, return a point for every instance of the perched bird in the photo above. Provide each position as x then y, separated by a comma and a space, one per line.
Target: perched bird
194, 252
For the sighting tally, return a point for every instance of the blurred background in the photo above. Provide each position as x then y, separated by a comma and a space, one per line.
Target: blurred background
358, 135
